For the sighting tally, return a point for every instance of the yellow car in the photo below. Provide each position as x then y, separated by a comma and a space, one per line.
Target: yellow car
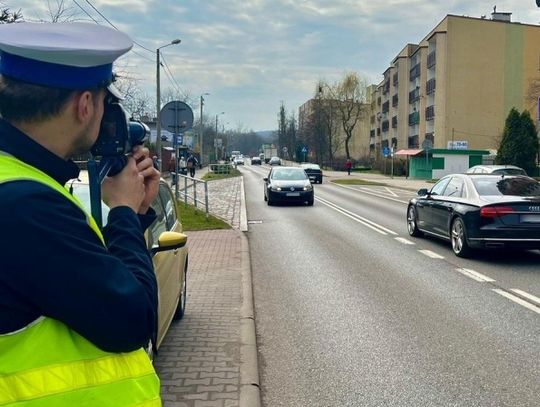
168, 247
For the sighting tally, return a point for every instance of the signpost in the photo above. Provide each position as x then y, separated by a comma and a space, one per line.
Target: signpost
177, 117
304, 151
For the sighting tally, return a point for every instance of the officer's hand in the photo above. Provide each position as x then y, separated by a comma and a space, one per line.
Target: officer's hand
151, 175
126, 188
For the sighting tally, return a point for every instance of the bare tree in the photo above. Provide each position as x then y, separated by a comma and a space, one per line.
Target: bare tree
349, 99
7, 16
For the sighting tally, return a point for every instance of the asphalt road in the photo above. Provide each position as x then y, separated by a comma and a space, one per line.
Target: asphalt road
351, 311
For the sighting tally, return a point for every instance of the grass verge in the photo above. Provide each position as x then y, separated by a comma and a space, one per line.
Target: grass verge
356, 181
210, 176
194, 219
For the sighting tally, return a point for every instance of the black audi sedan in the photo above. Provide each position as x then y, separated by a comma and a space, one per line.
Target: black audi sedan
479, 212
313, 171
288, 184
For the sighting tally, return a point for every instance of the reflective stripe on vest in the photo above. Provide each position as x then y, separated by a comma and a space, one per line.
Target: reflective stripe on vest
47, 364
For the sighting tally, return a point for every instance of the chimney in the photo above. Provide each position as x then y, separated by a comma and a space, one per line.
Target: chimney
501, 16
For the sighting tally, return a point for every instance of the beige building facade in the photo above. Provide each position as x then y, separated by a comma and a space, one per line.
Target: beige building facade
456, 87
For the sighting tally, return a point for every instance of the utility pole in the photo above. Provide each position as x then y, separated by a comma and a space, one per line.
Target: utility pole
201, 132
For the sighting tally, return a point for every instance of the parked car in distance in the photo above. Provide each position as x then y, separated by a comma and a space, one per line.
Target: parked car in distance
288, 184
239, 160
274, 161
496, 169
255, 161
313, 171
168, 248
479, 211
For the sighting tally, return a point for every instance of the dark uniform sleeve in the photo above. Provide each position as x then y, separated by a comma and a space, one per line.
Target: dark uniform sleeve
56, 266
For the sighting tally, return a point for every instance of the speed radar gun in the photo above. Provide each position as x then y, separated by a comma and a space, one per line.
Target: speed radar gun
117, 137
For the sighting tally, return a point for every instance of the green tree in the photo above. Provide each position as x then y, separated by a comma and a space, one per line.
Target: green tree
519, 144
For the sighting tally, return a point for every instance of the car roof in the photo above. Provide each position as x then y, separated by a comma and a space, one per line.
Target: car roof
495, 167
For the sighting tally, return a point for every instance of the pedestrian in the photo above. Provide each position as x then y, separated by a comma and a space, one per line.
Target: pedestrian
172, 169
348, 166
77, 304
182, 165
192, 162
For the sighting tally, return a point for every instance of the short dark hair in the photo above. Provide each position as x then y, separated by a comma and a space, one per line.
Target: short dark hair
26, 102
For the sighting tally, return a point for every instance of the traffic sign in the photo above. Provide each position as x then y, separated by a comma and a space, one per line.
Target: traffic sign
176, 116
386, 151
304, 150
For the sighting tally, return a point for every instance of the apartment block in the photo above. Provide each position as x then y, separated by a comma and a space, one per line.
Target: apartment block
455, 88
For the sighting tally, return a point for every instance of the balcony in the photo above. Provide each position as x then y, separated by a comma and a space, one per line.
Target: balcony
414, 118
431, 58
395, 100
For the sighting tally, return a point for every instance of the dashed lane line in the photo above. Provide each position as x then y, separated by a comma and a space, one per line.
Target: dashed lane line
530, 297
475, 275
404, 241
431, 254
371, 193
518, 300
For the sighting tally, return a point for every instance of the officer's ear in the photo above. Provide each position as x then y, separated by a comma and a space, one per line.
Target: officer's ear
86, 104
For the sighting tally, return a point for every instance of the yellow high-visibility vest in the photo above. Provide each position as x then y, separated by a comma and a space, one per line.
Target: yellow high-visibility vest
47, 364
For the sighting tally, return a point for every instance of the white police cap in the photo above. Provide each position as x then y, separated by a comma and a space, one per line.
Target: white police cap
74, 56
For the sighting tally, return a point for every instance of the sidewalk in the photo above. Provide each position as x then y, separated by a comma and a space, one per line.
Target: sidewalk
209, 358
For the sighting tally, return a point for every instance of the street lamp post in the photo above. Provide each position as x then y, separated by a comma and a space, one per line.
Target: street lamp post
158, 102
201, 148
215, 145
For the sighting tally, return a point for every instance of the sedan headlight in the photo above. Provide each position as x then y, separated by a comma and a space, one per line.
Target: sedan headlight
274, 188
308, 187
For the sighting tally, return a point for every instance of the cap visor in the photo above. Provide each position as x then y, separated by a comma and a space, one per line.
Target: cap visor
113, 90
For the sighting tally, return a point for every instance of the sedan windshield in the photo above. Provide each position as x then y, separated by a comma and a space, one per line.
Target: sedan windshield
518, 186
289, 174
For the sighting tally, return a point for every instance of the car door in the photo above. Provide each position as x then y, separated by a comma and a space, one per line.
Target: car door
424, 205
443, 205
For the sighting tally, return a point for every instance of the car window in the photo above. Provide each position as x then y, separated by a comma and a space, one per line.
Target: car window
160, 224
510, 171
168, 203
289, 174
454, 188
518, 186
438, 188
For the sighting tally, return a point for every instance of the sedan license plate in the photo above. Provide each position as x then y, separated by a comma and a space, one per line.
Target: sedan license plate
530, 218
293, 193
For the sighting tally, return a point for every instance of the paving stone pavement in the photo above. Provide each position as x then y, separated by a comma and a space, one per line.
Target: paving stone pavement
209, 358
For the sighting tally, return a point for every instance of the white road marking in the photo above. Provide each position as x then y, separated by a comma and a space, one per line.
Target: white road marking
431, 254
358, 218
391, 192
475, 275
403, 240
530, 297
371, 193
518, 300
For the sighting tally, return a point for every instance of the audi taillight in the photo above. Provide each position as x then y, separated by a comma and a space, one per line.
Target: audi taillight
495, 211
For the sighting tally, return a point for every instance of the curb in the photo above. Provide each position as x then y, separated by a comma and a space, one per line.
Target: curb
249, 367
243, 211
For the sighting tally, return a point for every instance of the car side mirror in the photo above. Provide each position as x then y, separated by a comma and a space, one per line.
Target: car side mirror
265, 179
423, 191
169, 241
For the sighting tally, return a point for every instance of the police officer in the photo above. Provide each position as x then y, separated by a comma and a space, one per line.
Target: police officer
77, 304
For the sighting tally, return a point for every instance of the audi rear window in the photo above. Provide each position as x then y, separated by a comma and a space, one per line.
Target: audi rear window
515, 186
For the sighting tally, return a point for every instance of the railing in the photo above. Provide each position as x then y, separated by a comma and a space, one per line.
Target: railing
189, 191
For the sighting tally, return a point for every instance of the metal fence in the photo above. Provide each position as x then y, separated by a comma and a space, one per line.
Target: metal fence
186, 189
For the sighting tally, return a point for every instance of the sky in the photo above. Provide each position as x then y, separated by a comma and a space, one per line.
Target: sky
253, 55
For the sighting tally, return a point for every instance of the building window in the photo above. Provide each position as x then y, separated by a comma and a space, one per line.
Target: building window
372, 134
431, 59
414, 95
414, 118
378, 132
394, 142
430, 112
395, 79
413, 142
395, 100
385, 126
431, 137
430, 86
386, 87
394, 122
386, 106
414, 72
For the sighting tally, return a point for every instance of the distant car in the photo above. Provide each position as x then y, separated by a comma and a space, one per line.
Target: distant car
288, 184
239, 160
274, 161
255, 161
313, 171
496, 169
168, 247
479, 211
